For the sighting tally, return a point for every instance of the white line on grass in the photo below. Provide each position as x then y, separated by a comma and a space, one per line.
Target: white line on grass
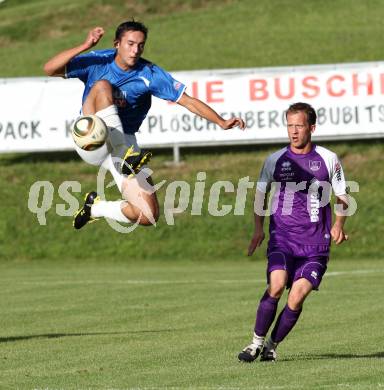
349, 386
186, 281
358, 271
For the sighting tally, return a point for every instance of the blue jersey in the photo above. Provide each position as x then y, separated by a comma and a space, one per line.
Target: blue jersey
132, 90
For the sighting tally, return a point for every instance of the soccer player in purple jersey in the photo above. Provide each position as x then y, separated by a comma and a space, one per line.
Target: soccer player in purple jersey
118, 85
303, 175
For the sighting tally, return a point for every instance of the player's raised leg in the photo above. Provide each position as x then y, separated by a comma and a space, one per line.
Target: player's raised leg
140, 202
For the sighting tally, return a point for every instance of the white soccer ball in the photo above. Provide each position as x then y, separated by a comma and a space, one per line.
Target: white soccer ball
89, 132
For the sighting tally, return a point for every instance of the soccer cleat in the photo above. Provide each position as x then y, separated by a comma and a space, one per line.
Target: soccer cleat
268, 353
83, 215
133, 161
250, 353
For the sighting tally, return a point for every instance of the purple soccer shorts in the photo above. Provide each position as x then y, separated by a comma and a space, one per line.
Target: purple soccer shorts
306, 261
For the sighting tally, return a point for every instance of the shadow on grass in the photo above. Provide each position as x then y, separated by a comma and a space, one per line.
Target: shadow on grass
325, 356
11, 339
22, 158
349, 355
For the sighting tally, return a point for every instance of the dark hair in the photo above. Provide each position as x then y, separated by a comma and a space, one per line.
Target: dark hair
131, 25
303, 107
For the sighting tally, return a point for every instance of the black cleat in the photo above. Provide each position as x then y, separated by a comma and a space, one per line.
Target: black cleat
268, 355
250, 353
83, 215
133, 161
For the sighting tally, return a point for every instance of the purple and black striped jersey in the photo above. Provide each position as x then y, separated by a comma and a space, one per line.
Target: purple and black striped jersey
301, 189
132, 89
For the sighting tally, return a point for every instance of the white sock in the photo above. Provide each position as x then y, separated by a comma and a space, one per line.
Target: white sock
110, 115
117, 176
109, 209
258, 340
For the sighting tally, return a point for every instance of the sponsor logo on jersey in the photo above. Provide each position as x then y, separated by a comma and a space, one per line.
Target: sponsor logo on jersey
286, 171
338, 171
314, 206
314, 165
285, 176
286, 166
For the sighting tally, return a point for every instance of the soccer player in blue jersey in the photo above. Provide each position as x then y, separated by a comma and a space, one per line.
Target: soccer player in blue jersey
118, 88
300, 229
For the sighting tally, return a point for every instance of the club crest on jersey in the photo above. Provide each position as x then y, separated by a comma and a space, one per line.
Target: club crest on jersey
177, 85
314, 165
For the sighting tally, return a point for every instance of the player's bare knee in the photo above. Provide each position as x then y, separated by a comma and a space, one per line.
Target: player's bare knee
146, 220
295, 306
155, 211
295, 300
276, 291
150, 217
131, 212
100, 96
102, 86
151, 211
156, 215
147, 217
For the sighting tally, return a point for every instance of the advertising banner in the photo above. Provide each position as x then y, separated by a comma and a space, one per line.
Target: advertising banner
36, 114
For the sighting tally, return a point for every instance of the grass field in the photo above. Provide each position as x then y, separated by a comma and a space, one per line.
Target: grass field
181, 325
217, 33
171, 306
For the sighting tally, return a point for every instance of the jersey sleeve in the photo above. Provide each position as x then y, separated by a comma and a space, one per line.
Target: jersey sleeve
164, 86
79, 66
268, 170
266, 175
337, 177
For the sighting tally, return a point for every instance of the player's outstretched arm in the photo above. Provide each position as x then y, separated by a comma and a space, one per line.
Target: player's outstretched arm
337, 232
199, 108
56, 65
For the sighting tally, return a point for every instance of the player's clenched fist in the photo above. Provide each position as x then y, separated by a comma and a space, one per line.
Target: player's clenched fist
233, 122
94, 36
338, 235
